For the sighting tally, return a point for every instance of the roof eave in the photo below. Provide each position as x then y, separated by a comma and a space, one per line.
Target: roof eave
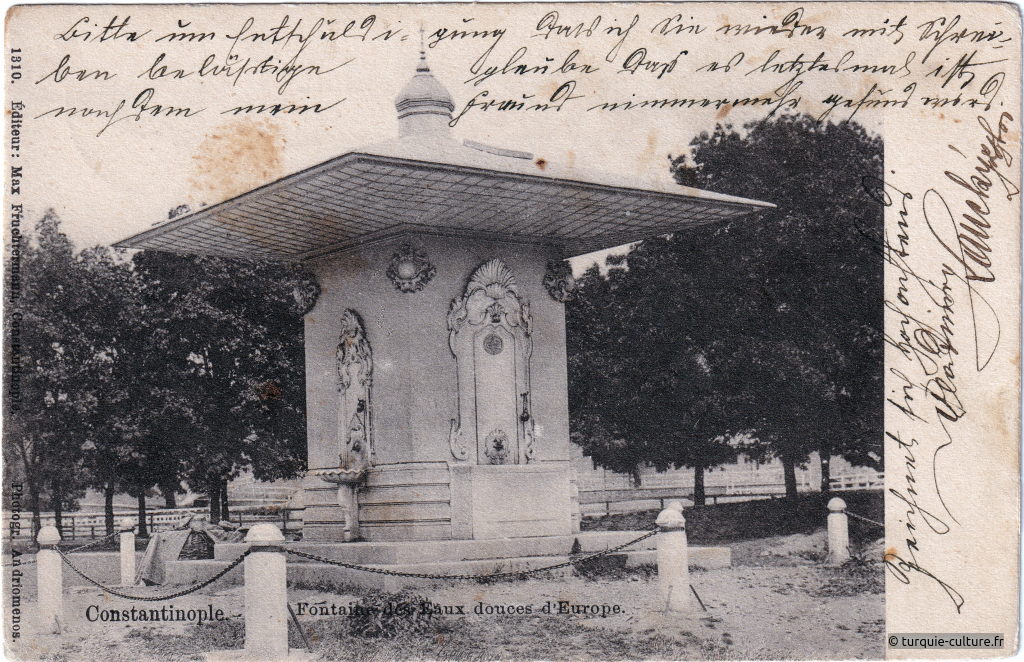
707, 197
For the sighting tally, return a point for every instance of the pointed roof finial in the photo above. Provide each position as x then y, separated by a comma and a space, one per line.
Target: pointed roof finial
423, 105
422, 66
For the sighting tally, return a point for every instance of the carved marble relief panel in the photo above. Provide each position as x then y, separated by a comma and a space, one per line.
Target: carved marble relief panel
355, 379
490, 336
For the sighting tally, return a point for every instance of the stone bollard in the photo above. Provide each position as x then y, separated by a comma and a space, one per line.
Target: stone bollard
838, 532
266, 594
673, 559
50, 580
266, 602
127, 552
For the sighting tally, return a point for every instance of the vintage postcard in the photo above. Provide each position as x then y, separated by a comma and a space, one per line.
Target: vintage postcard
511, 331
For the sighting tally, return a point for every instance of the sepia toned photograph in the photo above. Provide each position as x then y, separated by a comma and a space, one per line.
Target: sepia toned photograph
512, 331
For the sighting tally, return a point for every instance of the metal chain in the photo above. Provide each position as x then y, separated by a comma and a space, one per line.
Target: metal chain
313, 557
155, 598
509, 573
72, 550
25, 562
93, 543
865, 519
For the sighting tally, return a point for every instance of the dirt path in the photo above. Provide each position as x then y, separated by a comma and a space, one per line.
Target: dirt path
753, 612
776, 602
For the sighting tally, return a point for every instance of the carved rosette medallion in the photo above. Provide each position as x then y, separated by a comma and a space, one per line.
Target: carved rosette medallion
559, 281
493, 344
489, 334
409, 270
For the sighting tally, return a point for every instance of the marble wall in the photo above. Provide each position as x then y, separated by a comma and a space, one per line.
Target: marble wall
415, 392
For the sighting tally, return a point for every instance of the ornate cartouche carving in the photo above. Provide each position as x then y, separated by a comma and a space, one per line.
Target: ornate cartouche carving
489, 334
355, 379
559, 281
492, 296
409, 269
306, 293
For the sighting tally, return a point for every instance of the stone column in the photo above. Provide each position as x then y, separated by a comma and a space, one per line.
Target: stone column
574, 499
838, 532
266, 594
127, 552
673, 559
50, 581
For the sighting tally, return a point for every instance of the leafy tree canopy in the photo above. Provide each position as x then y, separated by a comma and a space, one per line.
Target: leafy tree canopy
770, 324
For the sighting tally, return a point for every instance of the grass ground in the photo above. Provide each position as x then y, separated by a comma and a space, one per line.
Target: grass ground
731, 522
778, 601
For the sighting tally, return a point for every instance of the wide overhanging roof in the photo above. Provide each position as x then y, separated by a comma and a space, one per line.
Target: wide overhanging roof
438, 185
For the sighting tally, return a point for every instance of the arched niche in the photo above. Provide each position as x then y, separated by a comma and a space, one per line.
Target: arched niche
489, 335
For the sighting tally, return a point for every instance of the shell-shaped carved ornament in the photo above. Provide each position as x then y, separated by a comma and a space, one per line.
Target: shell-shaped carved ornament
494, 278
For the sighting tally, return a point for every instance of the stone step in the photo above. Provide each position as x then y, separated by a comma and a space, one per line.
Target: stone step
325, 576
313, 574
427, 551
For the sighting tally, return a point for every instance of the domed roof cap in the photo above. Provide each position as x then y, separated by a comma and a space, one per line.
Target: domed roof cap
424, 94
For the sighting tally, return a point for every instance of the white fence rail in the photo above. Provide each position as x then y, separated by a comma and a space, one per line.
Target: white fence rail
82, 526
616, 495
863, 480
657, 489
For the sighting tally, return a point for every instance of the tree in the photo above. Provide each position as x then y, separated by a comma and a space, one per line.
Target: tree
645, 370
767, 328
679, 277
598, 388
146, 372
806, 280
229, 338
49, 429
117, 332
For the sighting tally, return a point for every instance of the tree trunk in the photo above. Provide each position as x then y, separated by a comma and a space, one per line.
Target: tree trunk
32, 478
170, 498
213, 494
224, 513
58, 512
108, 507
826, 472
634, 477
33, 498
789, 474
699, 496
143, 531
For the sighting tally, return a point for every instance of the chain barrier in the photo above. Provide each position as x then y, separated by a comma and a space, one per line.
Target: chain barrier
87, 545
865, 519
313, 557
155, 598
94, 543
508, 573
21, 563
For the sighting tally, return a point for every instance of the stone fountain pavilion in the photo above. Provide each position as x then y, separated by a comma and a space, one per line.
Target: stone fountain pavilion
438, 423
